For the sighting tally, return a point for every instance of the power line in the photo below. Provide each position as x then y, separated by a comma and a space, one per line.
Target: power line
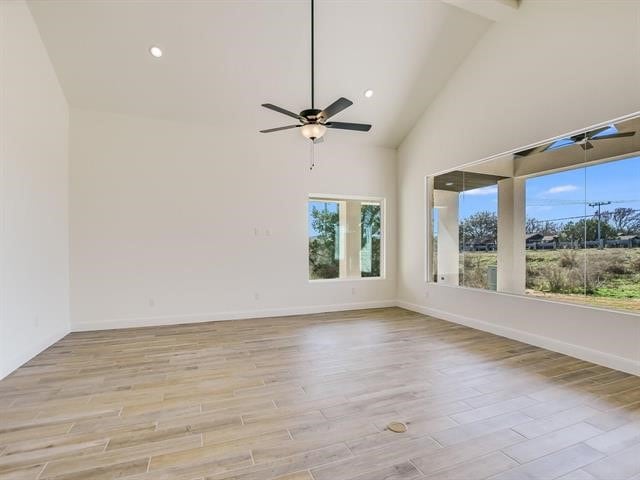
545, 202
575, 217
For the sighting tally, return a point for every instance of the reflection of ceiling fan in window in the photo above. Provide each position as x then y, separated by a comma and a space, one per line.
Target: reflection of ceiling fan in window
582, 139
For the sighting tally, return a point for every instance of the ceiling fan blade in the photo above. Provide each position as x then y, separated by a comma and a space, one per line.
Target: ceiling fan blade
282, 110
595, 132
336, 107
277, 129
360, 127
615, 135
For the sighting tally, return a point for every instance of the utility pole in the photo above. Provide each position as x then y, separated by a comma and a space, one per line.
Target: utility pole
598, 205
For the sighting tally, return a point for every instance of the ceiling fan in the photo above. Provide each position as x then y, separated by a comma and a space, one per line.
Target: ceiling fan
313, 122
582, 139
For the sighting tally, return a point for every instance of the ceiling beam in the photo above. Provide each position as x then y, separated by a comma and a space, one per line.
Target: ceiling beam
494, 10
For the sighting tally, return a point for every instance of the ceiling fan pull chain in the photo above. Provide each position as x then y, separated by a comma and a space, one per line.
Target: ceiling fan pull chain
312, 162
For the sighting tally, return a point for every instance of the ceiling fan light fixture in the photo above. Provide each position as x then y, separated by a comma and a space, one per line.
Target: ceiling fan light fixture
155, 51
313, 131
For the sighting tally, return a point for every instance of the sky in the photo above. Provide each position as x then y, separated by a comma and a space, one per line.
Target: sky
560, 196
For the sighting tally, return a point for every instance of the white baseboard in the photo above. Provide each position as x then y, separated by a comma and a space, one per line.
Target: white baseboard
220, 316
38, 347
577, 351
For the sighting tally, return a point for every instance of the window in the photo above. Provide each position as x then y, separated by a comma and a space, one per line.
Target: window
479, 233
559, 221
583, 235
345, 238
465, 229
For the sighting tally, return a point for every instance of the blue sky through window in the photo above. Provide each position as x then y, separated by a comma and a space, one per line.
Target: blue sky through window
564, 195
563, 142
560, 196
609, 131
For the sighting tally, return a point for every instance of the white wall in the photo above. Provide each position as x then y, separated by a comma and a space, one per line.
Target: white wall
164, 215
34, 248
551, 68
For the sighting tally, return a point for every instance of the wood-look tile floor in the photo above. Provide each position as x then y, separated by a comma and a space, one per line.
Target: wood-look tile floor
308, 398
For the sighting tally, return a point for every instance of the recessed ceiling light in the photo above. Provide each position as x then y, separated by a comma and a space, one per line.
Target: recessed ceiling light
155, 51
368, 93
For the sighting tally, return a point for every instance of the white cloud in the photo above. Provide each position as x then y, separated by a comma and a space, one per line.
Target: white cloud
490, 190
561, 189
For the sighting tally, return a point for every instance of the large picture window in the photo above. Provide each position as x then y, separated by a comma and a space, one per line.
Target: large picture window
345, 238
559, 221
583, 235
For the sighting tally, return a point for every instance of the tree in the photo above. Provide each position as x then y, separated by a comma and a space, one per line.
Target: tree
323, 261
575, 231
370, 232
624, 220
544, 227
532, 225
551, 228
481, 227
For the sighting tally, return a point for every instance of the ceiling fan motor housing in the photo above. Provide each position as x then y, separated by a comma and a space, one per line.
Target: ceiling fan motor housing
312, 115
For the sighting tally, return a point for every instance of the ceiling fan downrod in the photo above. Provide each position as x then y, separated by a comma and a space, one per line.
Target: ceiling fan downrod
313, 103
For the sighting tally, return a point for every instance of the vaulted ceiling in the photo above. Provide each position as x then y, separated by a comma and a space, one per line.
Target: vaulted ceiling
223, 58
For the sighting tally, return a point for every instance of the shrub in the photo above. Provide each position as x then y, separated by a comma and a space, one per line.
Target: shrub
475, 272
617, 268
535, 276
563, 280
557, 279
569, 259
535, 258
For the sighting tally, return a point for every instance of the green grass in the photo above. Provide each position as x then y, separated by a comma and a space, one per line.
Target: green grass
612, 275
621, 290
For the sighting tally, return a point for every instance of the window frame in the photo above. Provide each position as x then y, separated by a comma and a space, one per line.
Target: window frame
332, 197
428, 187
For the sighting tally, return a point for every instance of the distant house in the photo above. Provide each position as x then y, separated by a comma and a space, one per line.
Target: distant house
550, 241
483, 245
626, 238
533, 237
627, 241
538, 240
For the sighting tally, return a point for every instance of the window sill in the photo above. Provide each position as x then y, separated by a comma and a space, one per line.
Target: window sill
537, 299
341, 280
